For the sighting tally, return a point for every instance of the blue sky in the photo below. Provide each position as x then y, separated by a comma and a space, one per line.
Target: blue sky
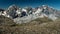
32, 3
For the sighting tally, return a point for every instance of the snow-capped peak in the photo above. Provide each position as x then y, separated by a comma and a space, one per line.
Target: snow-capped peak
24, 10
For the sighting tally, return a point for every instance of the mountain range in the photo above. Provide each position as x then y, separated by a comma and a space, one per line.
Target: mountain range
27, 14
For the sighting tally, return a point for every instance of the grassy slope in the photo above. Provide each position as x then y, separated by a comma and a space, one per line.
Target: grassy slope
38, 26
6, 21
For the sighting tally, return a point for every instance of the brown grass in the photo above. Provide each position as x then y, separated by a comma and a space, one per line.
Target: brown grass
38, 26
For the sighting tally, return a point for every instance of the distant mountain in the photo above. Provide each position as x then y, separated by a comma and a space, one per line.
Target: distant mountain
28, 13
48, 11
11, 11
1, 9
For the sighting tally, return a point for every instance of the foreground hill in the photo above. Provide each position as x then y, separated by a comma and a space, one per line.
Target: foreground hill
37, 26
5, 21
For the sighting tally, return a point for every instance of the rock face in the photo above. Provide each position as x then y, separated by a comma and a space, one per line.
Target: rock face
50, 12
1, 11
12, 11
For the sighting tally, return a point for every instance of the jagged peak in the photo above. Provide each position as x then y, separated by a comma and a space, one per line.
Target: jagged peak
13, 6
